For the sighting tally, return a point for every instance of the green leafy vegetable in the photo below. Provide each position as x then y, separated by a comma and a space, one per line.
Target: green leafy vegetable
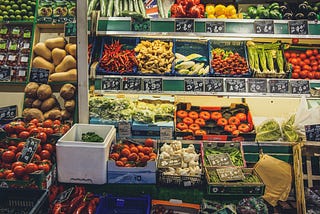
268, 131
91, 137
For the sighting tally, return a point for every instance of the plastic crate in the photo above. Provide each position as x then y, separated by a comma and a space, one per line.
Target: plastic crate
127, 44
124, 205
187, 47
234, 46
24, 201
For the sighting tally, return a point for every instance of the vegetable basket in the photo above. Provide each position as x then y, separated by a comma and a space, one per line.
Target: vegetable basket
267, 60
165, 174
234, 56
191, 58
24, 201
126, 44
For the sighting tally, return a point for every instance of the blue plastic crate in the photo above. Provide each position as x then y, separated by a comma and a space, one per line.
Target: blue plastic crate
234, 46
187, 47
127, 43
110, 204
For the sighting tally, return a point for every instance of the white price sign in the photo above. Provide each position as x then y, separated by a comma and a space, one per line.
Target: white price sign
124, 129
165, 133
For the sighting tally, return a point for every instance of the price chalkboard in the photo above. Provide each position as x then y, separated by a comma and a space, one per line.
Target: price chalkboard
29, 149
124, 129
5, 73
194, 85
213, 85
235, 85
70, 29
222, 159
184, 25
300, 87
111, 83
299, 27
257, 85
152, 84
8, 112
312, 132
230, 174
278, 86
39, 75
215, 27
264, 27
131, 83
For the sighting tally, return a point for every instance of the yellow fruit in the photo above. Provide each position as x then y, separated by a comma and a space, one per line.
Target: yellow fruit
221, 17
230, 10
235, 16
240, 15
210, 9
220, 10
211, 16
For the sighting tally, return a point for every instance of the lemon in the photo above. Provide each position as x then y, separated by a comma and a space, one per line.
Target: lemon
220, 10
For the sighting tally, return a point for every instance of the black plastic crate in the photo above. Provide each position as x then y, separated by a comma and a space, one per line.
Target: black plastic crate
23, 201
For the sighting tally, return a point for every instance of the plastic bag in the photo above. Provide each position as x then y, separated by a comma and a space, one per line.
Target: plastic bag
306, 116
277, 176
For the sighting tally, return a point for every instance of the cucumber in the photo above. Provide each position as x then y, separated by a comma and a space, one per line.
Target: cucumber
110, 8
125, 5
132, 14
136, 6
103, 8
142, 8
91, 6
161, 9
116, 8
130, 6
120, 5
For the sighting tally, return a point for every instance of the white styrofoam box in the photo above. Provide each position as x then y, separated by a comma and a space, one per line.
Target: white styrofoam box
84, 162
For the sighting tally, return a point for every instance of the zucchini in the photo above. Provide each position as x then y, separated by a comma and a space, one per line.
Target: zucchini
125, 5
116, 8
120, 5
161, 9
130, 6
103, 8
91, 6
136, 6
142, 8
110, 8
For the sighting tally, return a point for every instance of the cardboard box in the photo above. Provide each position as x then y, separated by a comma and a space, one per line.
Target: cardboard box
84, 162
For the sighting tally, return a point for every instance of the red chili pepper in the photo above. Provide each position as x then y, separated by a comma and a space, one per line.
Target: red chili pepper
81, 207
74, 203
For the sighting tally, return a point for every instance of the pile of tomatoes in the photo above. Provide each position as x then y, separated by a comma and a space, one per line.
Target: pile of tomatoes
11, 148
132, 154
305, 64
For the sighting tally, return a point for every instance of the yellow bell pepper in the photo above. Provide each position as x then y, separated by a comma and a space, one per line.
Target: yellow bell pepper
210, 10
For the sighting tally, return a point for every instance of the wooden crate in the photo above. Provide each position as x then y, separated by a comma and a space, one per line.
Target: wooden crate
311, 152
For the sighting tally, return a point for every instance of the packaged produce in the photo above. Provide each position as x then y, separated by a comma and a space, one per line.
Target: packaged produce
12, 59
289, 131
4, 31
23, 60
3, 58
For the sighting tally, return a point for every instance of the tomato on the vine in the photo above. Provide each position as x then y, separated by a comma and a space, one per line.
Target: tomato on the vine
19, 128
48, 131
44, 167
34, 131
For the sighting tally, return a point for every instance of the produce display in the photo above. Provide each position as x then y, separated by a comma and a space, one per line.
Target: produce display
59, 11
267, 59
305, 62
115, 59
193, 64
301, 10
221, 11
41, 104
176, 159
155, 57
249, 178
187, 8
271, 11
15, 42
17, 10
57, 56
133, 154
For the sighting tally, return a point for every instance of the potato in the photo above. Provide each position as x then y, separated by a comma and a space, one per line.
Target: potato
65, 115
70, 105
31, 89
36, 104
44, 92
28, 102
67, 91
32, 113
53, 114
48, 104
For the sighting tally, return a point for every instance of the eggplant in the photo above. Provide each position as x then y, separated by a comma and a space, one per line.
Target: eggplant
312, 16
303, 8
299, 16
288, 16
284, 9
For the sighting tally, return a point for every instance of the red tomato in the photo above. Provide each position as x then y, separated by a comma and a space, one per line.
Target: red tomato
295, 41
303, 74
244, 128
230, 128
241, 116
8, 128
17, 163
42, 136
233, 121
216, 115
318, 56
317, 75
222, 122
293, 55
31, 167
57, 122
287, 55
19, 171
309, 53
48, 147
13, 148
34, 121
34, 131
45, 154
315, 51
24, 134
306, 67
47, 123
30, 126
48, 131
44, 167
18, 155
295, 75
306, 61
36, 158
39, 149
294, 61
314, 68
19, 128
2, 176
8, 156
303, 56
11, 176
311, 75
148, 142
65, 128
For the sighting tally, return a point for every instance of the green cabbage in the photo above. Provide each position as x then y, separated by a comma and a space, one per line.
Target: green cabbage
268, 131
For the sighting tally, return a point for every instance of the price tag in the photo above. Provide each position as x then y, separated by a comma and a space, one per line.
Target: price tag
215, 27
131, 83
70, 29
279, 86
264, 27
152, 84
257, 85
194, 85
299, 27
29, 149
124, 129
39, 75
235, 85
230, 174
5, 73
111, 83
313, 132
222, 159
166, 133
184, 25
300, 87
172, 161
8, 112
213, 85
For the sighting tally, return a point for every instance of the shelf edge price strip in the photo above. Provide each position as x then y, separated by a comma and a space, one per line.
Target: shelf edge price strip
215, 27
300, 86
184, 25
193, 85
264, 27
299, 27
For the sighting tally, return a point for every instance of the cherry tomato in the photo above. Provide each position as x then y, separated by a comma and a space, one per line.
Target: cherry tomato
295, 41
57, 122
8, 156
24, 134
19, 171
31, 167
45, 154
